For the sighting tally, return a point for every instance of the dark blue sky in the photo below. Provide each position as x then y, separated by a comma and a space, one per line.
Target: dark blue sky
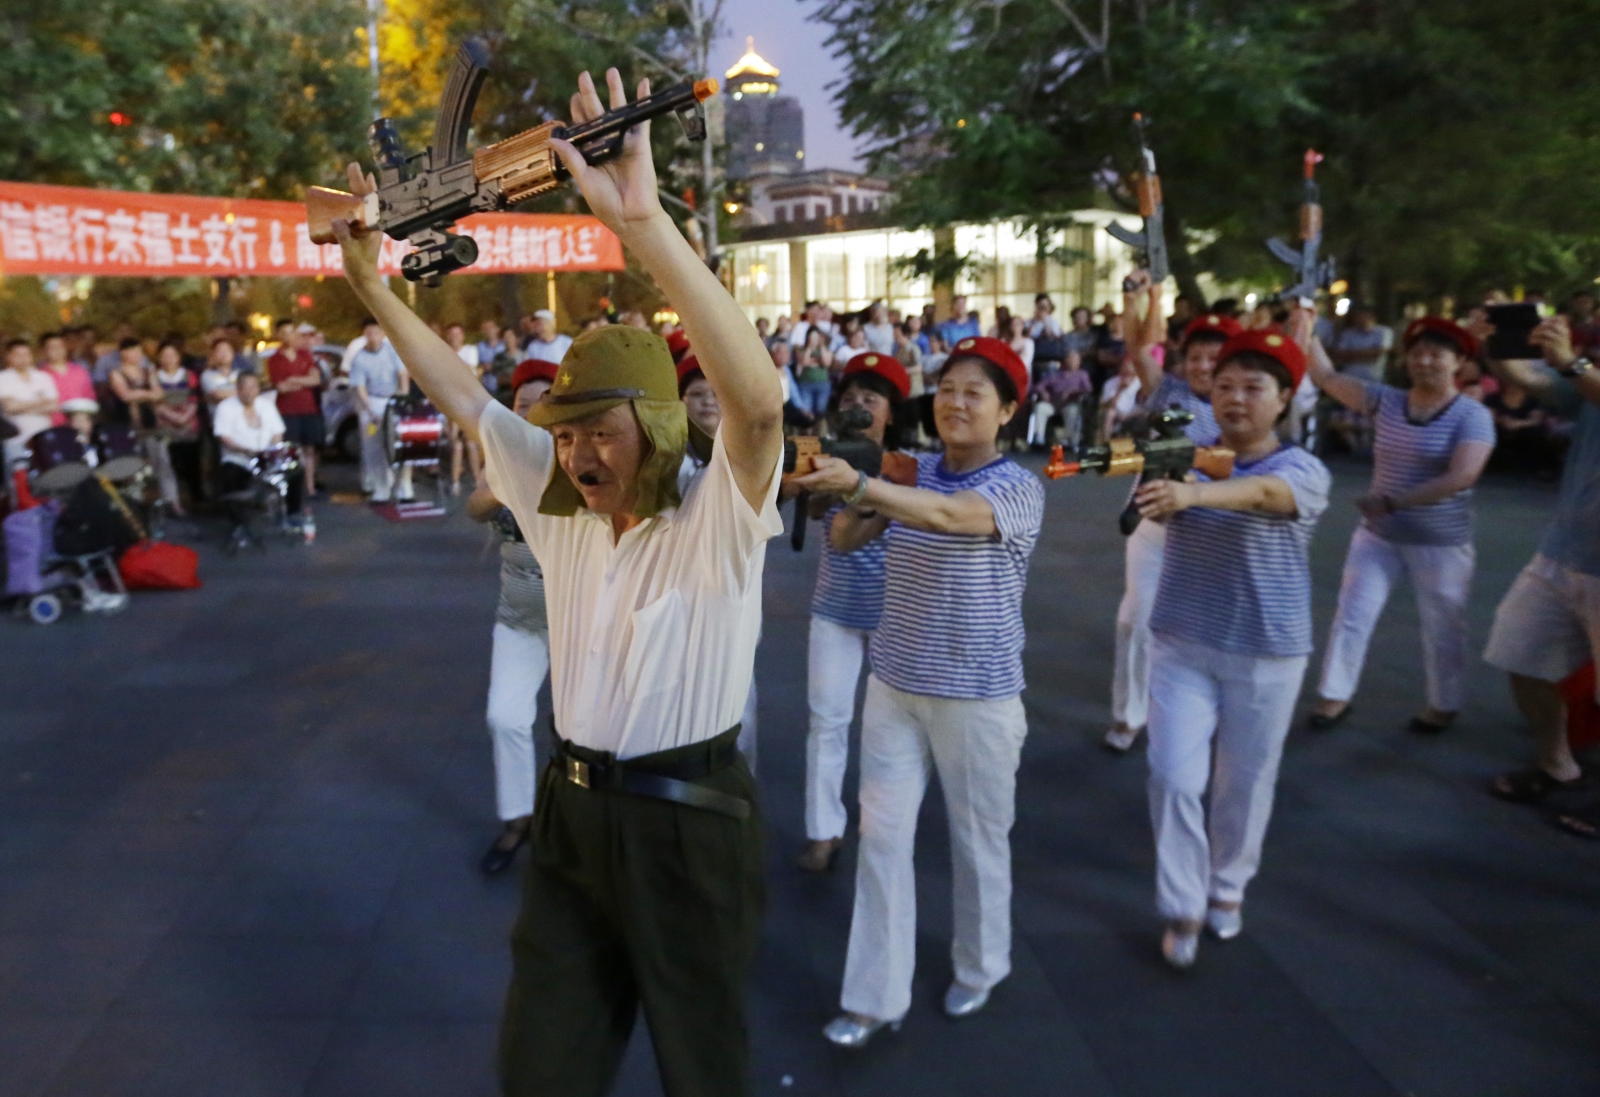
786, 38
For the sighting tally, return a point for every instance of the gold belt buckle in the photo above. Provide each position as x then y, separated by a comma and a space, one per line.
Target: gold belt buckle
577, 772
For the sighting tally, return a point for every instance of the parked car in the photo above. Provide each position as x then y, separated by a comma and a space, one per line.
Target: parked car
339, 417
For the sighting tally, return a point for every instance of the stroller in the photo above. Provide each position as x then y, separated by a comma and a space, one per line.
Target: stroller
43, 582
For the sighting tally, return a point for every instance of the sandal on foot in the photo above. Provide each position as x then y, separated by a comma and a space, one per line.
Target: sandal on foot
1529, 786
1584, 822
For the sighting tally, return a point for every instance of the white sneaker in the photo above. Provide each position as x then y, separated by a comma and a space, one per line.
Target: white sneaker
100, 601
1226, 924
1180, 949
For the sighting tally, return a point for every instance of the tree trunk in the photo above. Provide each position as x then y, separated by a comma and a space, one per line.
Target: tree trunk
221, 307
1182, 263
708, 203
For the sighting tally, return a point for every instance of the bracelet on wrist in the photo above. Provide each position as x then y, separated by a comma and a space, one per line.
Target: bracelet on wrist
860, 491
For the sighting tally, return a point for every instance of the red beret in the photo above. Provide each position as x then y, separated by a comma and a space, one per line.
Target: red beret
1211, 324
677, 344
996, 353
885, 366
1463, 339
532, 369
688, 368
1280, 348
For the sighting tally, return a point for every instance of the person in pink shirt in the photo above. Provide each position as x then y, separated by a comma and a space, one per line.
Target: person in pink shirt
72, 380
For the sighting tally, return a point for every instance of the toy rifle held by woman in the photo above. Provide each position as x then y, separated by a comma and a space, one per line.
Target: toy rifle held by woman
851, 446
1313, 273
420, 197
1151, 244
1158, 450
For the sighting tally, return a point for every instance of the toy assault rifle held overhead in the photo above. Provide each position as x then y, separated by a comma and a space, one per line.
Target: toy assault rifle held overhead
1314, 274
1151, 244
420, 197
854, 448
1158, 449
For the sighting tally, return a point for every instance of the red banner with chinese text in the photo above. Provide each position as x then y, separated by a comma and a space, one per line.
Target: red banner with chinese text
75, 230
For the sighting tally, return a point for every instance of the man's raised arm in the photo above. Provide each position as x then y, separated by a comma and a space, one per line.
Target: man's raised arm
622, 194
445, 379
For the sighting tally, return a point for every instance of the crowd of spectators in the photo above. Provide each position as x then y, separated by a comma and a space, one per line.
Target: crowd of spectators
173, 392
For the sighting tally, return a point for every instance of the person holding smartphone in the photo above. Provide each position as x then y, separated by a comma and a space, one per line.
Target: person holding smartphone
1548, 624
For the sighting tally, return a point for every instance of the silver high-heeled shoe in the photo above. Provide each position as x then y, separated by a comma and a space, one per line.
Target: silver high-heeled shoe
963, 1001
854, 1030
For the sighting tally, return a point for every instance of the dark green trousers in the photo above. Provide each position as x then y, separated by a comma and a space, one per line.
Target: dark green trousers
631, 901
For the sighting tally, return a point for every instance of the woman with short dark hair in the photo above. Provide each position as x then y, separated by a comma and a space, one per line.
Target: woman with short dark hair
1430, 444
945, 689
845, 609
1232, 633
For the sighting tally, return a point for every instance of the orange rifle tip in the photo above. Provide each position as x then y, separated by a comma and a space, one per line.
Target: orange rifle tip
705, 89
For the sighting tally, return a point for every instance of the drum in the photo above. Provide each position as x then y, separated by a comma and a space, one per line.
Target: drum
414, 430
121, 456
274, 465
57, 459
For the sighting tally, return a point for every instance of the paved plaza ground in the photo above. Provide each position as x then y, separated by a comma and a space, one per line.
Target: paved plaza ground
239, 830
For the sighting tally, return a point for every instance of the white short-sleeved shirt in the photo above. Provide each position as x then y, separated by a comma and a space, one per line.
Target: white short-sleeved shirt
228, 422
653, 638
38, 385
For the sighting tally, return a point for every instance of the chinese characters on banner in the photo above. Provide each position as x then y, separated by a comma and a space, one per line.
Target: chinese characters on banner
73, 230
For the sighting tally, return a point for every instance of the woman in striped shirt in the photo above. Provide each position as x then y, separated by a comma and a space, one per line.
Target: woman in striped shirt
1429, 446
945, 689
1189, 388
1232, 628
844, 612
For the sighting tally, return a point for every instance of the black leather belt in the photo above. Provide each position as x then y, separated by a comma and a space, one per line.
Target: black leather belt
666, 775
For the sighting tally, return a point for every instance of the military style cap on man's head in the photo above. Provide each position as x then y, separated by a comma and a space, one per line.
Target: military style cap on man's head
606, 367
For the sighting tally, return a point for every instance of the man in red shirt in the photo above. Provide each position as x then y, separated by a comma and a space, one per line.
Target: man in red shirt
297, 378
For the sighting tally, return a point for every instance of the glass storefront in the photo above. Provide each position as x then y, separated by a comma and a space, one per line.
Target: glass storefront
1081, 264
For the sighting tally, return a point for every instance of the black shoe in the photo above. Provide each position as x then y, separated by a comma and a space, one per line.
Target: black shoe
499, 856
1318, 721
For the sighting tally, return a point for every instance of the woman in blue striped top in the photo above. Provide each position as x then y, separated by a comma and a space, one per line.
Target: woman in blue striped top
844, 612
945, 689
1232, 628
1429, 447
1189, 388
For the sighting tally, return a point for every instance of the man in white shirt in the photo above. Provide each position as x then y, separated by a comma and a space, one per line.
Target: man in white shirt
544, 342
645, 883
28, 398
377, 375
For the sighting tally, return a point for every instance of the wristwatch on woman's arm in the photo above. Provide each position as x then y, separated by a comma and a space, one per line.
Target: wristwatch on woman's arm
1577, 367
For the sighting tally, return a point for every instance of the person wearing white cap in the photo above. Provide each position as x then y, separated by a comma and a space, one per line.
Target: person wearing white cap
544, 341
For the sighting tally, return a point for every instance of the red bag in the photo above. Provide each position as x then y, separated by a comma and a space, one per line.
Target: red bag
1583, 715
158, 565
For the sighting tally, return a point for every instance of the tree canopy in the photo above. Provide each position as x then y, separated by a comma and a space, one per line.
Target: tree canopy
245, 98
1457, 152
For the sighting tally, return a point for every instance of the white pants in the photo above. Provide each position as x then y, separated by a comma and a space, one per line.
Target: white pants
377, 474
1442, 577
155, 451
1071, 423
1130, 671
975, 746
833, 669
516, 671
1217, 725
